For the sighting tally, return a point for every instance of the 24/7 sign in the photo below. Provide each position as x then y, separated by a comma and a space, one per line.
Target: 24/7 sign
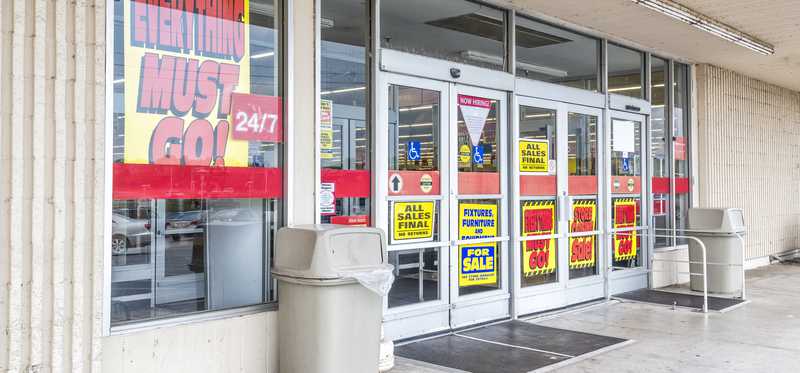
256, 118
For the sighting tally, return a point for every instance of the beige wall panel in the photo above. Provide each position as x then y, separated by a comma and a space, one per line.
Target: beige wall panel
749, 155
239, 344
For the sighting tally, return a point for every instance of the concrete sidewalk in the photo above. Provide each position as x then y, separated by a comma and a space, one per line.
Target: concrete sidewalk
761, 336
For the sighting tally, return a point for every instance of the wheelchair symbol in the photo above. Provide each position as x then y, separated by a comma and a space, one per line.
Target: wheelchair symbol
477, 154
413, 151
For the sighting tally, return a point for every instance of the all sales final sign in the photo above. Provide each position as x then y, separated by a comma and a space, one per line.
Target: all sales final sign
187, 84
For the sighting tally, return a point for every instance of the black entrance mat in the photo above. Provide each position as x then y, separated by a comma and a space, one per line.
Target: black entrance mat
510, 347
679, 299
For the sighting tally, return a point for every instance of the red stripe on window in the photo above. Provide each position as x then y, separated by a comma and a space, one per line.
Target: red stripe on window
660, 185
533, 185
478, 183
582, 185
146, 181
348, 183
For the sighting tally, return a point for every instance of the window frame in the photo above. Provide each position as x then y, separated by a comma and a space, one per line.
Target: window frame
284, 9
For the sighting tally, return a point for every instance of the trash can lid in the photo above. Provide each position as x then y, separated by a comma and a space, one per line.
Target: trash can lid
326, 251
716, 221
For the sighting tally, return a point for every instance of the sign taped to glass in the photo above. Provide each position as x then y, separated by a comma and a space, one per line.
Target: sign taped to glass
180, 76
413, 221
534, 155
625, 243
477, 262
582, 249
539, 256
475, 110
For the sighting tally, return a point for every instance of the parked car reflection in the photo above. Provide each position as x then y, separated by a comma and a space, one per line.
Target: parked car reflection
129, 236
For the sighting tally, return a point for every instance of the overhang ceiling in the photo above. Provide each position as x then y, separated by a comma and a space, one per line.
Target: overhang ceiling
774, 21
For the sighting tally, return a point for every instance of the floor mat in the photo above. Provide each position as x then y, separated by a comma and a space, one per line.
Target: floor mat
510, 347
682, 300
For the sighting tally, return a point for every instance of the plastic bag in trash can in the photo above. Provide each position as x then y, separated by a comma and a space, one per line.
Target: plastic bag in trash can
377, 280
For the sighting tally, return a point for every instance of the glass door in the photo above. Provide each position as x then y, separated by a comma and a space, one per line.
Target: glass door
478, 277
627, 212
557, 246
441, 185
413, 189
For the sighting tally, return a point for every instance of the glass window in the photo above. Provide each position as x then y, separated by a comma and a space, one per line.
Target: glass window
659, 154
416, 276
456, 30
680, 146
555, 55
344, 128
198, 144
625, 71
626, 171
582, 158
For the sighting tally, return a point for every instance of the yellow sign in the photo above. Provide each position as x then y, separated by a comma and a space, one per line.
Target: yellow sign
538, 256
477, 262
413, 221
625, 243
326, 129
464, 156
179, 78
534, 155
582, 249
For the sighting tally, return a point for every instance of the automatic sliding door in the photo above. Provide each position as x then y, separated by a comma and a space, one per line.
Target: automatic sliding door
415, 181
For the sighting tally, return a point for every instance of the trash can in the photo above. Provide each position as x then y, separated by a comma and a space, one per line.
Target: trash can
719, 229
331, 280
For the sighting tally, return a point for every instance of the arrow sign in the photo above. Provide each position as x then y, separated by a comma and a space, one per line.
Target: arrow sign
396, 183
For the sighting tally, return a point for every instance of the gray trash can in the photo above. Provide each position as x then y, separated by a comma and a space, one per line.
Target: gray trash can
718, 229
331, 280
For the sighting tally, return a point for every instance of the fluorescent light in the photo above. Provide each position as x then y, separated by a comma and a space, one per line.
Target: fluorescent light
497, 60
629, 88
118, 81
262, 55
415, 108
705, 23
343, 90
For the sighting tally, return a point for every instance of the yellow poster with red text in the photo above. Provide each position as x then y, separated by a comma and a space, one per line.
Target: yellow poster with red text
538, 256
184, 60
582, 248
625, 243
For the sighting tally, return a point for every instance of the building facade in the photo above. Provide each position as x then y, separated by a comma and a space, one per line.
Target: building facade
518, 162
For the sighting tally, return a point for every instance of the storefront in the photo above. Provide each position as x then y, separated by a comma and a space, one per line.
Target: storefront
516, 166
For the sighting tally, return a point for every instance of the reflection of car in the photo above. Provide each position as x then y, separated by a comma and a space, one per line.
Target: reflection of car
127, 233
233, 215
183, 224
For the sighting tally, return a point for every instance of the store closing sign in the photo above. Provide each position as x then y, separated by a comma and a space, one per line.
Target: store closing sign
180, 88
534, 155
539, 219
477, 262
582, 249
625, 244
413, 221
474, 110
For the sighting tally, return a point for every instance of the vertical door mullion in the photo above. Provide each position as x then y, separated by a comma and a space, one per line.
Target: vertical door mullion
562, 167
515, 245
450, 142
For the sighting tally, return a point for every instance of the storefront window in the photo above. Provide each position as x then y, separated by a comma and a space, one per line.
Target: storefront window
555, 55
582, 164
680, 149
625, 71
626, 172
198, 156
456, 30
344, 126
659, 150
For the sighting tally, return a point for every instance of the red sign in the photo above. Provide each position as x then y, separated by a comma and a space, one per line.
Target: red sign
355, 220
256, 117
679, 144
474, 101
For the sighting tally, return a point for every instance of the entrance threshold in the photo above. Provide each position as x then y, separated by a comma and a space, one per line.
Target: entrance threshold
508, 347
